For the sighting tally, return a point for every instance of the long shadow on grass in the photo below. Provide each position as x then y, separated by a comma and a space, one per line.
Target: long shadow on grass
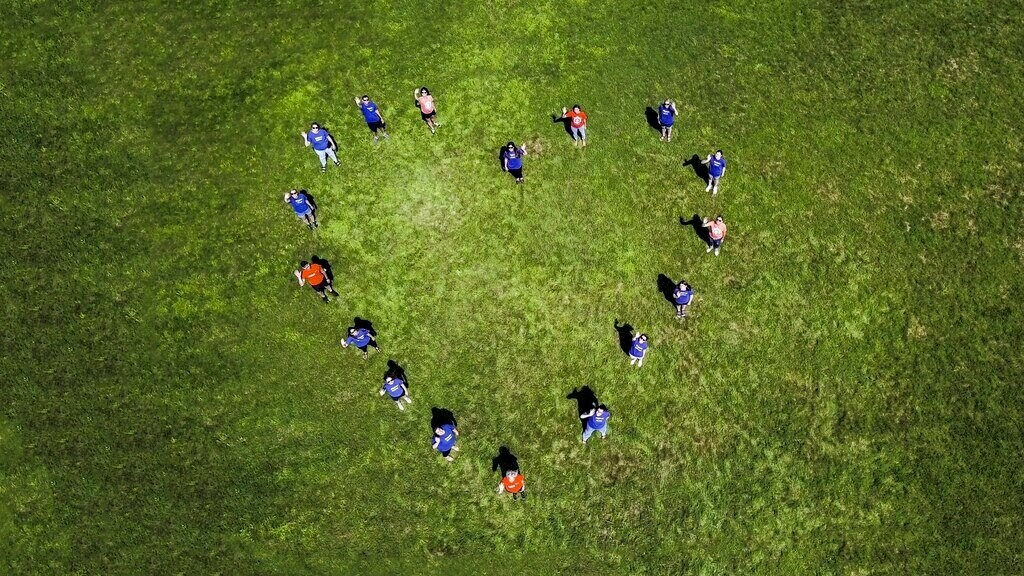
312, 201
504, 461
362, 323
565, 122
396, 371
699, 170
652, 119
586, 401
325, 264
441, 416
697, 223
667, 287
625, 331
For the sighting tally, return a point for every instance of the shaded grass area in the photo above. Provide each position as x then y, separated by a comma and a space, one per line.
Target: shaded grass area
842, 400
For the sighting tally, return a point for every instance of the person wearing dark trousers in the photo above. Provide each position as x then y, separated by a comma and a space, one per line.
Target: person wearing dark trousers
303, 207
512, 160
716, 169
716, 233
428, 112
666, 118
514, 483
396, 390
374, 119
444, 440
682, 296
362, 339
314, 275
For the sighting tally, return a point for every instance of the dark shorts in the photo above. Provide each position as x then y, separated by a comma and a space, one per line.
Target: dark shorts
667, 125
717, 243
321, 287
426, 115
687, 303
445, 453
374, 126
517, 172
397, 398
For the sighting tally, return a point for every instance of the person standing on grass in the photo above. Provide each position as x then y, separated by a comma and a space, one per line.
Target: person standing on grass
396, 390
374, 119
514, 483
577, 124
666, 118
323, 144
716, 233
512, 160
638, 350
317, 278
682, 296
596, 421
303, 207
425, 102
362, 339
716, 169
445, 436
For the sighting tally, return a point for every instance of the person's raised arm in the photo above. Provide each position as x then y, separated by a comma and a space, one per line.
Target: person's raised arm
305, 139
564, 111
501, 487
437, 440
707, 223
404, 388
286, 195
416, 93
330, 140
298, 275
523, 148
357, 100
456, 430
588, 414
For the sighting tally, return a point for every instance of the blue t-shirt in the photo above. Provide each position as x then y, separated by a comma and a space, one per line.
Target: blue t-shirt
515, 159
447, 439
394, 388
597, 422
369, 110
665, 115
318, 139
638, 349
683, 296
716, 166
360, 338
300, 203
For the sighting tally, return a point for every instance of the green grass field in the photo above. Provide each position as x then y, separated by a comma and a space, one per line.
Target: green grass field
845, 398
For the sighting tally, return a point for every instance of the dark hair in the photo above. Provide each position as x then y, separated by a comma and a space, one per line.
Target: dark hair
575, 106
425, 89
314, 124
719, 151
510, 144
303, 264
644, 336
602, 407
364, 97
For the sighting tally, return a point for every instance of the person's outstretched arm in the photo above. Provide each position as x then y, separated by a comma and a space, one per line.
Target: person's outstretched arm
357, 100
587, 414
501, 487
708, 159
298, 275
305, 139
706, 223
523, 148
565, 111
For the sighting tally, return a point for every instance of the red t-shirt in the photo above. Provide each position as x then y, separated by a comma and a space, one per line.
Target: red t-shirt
514, 486
314, 274
579, 119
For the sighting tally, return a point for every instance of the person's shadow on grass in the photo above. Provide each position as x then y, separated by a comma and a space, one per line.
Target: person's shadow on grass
625, 331
585, 399
362, 323
565, 122
652, 119
504, 461
667, 288
325, 264
441, 416
396, 371
312, 201
699, 170
697, 223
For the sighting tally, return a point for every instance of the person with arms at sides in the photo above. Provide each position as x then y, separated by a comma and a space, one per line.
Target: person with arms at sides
303, 207
716, 169
716, 233
512, 160
374, 119
362, 339
396, 390
514, 483
425, 102
638, 350
577, 124
666, 118
596, 421
323, 144
316, 277
682, 296
444, 440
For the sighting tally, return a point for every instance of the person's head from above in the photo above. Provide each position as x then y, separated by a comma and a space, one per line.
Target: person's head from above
719, 218
511, 146
576, 108
303, 264
388, 379
424, 91
643, 338
353, 331
511, 474
293, 192
365, 99
601, 409
683, 285
314, 126
668, 103
439, 431
718, 153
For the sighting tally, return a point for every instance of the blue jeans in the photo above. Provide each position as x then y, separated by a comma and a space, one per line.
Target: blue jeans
590, 431
579, 133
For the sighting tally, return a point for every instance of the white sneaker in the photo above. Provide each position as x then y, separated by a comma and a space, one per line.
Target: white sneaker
716, 251
709, 249
400, 407
708, 189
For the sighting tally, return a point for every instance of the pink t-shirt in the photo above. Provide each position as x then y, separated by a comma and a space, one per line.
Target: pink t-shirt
426, 103
717, 230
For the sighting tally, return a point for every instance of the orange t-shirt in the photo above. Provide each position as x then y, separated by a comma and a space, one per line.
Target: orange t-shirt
717, 230
314, 274
514, 486
579, 119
